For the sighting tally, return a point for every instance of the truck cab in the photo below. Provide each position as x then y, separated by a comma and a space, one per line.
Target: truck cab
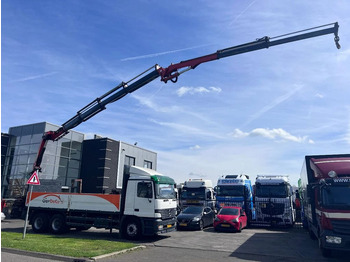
236, 190
274, 200
197, 192
325, 194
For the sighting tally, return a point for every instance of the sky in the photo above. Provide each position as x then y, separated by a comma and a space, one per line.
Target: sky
257, 113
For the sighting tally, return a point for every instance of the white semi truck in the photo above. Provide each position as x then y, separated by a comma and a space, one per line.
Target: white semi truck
274, 200
145, 206
197, 192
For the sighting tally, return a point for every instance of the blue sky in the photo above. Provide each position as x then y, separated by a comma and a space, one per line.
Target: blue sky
255, 113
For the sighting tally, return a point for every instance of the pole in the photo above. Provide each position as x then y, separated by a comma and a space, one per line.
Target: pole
26, 221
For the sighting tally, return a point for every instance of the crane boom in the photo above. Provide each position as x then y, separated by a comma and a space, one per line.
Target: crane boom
172, 73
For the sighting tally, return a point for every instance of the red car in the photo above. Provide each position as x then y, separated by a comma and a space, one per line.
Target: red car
230, 219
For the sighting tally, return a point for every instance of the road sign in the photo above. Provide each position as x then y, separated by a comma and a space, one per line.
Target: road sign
34, 179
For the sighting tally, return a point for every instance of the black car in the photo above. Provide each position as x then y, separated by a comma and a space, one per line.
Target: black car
195, 217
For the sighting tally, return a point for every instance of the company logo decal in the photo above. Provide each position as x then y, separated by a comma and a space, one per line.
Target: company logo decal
52, 199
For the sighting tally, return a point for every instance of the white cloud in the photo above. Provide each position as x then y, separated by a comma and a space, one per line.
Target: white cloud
33, 77
279, 100
196, 147
273, 134
197, 90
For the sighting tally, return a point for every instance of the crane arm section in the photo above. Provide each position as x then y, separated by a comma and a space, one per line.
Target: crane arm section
172, 73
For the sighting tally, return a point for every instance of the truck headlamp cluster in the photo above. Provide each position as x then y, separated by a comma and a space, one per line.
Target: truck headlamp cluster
332, 174
333, 240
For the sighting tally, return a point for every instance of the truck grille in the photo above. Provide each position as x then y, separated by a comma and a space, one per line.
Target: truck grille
167, 213
341, 226
273, 209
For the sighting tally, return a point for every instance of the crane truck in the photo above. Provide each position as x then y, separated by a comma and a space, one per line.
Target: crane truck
136, 221
325, 194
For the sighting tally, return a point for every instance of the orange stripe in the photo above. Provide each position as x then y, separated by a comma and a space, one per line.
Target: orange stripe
113, 198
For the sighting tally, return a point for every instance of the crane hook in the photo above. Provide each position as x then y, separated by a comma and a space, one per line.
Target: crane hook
336, 40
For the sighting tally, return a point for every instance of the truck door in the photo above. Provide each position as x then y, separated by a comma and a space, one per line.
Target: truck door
144, 200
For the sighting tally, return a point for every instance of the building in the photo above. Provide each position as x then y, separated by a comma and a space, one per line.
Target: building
70, 164
103, 163
60, 164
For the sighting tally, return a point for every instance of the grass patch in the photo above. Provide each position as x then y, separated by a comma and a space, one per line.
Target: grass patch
60, 245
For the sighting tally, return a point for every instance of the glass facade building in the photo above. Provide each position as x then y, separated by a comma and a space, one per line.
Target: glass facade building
60, 164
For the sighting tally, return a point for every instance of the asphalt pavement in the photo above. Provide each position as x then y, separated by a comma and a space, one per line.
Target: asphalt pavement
253, 244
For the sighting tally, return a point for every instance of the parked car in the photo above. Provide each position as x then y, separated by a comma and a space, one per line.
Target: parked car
195, 217
230, 218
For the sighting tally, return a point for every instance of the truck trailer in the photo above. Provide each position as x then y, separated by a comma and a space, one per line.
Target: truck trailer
146, 205
197, 192
274, 201
325, 194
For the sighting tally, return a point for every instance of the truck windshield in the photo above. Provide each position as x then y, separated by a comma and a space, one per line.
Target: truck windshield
337, 197
193, 193
165, 191
272, 191
230, 190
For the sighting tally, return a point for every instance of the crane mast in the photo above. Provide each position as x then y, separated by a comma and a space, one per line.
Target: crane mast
172, 73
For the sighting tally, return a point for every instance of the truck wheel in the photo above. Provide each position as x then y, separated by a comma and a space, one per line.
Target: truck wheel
58, 224
132, 229
40, 223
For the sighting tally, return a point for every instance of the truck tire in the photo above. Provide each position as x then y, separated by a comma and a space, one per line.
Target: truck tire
40, 223
131, 229
58, 224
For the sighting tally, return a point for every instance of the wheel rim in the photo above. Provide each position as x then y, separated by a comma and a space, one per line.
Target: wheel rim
56, 224
131, 229
38, 223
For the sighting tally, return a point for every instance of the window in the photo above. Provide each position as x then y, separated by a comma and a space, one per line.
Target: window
129, 160
147, 164
144, 189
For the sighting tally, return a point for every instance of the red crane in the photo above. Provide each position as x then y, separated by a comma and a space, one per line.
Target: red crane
172, 73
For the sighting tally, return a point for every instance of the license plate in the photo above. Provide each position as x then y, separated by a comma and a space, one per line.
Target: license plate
183, 224
168, 226
225, 225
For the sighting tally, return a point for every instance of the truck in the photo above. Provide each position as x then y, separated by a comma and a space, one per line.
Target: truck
273, 200
145, 206
236, 190
197, 192
325, 195
170, 73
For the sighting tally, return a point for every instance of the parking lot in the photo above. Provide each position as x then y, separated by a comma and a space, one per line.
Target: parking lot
252, 244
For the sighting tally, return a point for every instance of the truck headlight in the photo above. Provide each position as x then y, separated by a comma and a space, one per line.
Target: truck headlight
333, 240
